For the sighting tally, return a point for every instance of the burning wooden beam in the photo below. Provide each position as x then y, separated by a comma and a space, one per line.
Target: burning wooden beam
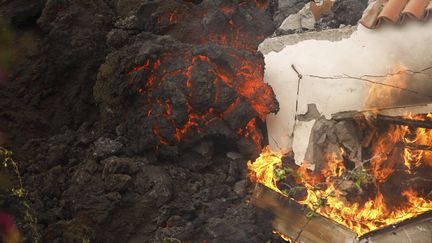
290, 218
404, 121
417, 229
393, 116
417, 147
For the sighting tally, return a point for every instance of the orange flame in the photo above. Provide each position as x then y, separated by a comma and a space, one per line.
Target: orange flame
262, 170
383, 96
281, 235
375, 212
380, 195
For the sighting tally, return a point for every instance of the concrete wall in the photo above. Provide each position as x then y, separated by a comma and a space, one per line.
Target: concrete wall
365, 52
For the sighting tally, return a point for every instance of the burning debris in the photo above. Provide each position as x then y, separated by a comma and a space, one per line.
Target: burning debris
364, 170
349, 144
319, 229
390, 182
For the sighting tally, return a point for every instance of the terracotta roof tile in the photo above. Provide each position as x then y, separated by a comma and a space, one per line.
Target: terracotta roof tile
395, 12
392, 10
319, 10
429, 7
416, 8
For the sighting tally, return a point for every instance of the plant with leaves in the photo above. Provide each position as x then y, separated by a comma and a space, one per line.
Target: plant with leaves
359, 177
20, 192
283, 173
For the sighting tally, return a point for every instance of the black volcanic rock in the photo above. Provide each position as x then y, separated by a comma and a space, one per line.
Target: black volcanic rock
346, 12
21, 14
238, 24
122, 113
169, 91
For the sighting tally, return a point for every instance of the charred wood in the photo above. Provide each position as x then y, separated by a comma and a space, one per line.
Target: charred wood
404, 121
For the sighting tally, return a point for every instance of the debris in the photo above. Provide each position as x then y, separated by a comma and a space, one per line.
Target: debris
404, 121
327, 137
290, 218
302, 20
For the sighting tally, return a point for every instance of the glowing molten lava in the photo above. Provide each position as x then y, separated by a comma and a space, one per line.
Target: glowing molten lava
208, 90
385, 189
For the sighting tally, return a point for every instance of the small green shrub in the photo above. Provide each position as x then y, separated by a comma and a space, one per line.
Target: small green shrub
18, 191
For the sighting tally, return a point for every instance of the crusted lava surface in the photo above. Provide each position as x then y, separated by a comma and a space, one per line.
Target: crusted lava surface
122, 114
179, 93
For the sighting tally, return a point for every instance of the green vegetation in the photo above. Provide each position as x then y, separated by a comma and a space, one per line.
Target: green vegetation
285, 172
359, 177
18, 191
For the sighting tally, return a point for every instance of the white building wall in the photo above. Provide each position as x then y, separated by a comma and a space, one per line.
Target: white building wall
375, 52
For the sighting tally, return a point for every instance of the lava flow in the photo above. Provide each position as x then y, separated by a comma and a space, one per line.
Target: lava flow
206, 90
205, 82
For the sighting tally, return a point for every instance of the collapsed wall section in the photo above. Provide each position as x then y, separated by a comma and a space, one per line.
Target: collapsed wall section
340, 75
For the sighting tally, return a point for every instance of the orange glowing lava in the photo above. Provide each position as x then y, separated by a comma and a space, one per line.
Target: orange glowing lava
243, 76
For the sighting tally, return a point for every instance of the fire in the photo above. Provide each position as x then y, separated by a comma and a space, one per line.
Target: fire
384, 145
284, 237
262, 170
378, 191
413, 158
369, 196
383, 96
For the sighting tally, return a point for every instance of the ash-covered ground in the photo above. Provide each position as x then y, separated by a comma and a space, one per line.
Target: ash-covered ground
133, 120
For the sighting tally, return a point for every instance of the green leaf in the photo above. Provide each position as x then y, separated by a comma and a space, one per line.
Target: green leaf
310, 214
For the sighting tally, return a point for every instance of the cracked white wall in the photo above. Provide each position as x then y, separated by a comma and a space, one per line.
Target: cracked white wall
374, 52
